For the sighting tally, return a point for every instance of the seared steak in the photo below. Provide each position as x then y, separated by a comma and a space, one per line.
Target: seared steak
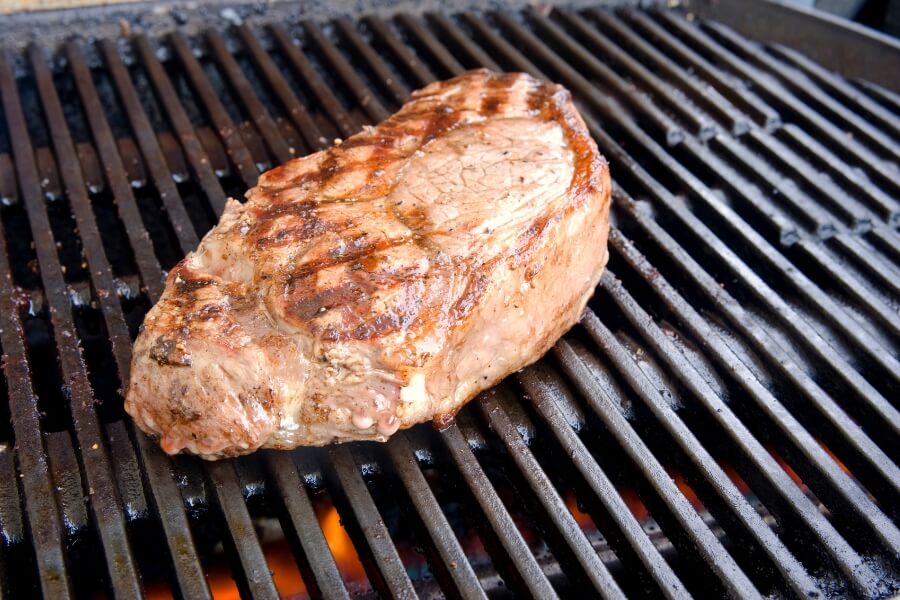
383, 282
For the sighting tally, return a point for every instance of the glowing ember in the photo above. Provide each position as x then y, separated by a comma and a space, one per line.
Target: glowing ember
340, 543
634, 504
687, 491
834, 458
787, 469
583, 519
289, 580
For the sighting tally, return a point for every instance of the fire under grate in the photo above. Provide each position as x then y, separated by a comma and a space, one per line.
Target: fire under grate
722, 422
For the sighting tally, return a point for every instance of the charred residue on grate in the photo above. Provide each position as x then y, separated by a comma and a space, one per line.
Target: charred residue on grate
724, 412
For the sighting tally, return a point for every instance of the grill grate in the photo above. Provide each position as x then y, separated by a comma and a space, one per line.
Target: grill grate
723, 420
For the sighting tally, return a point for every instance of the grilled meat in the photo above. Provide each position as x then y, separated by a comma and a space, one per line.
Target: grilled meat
383, 282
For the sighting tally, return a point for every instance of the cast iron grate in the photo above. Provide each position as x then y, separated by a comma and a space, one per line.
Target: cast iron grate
723, 421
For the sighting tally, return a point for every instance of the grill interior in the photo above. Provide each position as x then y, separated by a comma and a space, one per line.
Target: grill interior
723, 420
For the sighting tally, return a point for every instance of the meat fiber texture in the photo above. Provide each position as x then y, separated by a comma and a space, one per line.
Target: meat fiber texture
383, 282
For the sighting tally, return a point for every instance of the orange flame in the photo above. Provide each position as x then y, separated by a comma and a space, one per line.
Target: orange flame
340, 543
634, 504
290, 584
787, 469
282, 564
736, 478
687, 491
834, 457
583, 519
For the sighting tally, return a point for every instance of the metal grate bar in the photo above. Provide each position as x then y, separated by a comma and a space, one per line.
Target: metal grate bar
767, 403
150, 148
451, 553
391, 573
763, 251
532, 578
633, 545
408, 60
884, 96
887, 273
67, 477
849, 95
157, 469
732, 88
663, 92
788, 566
427, 42
364, 97
254, 574
389, 82
845, 207
770, 87
823, 403
702, 540
302, 527
795, 80
887, 241
237, 151
582, 551
310, 78
704, 95
181, 123
672, 131
106, 508
255, 109
886, 205
44, 524
295, 109
460, 40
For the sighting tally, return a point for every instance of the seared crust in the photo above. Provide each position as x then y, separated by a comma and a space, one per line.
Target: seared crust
384, 281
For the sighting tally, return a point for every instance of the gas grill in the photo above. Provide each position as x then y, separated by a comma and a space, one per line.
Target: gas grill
722, 422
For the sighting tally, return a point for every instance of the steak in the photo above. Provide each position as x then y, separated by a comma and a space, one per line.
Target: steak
383, 282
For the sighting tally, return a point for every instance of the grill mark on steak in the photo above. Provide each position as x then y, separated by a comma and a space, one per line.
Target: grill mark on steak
357, 253
267, 233
384, 281
496, 95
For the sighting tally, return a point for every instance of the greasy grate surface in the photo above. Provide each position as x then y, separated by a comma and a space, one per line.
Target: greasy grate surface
723, 421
